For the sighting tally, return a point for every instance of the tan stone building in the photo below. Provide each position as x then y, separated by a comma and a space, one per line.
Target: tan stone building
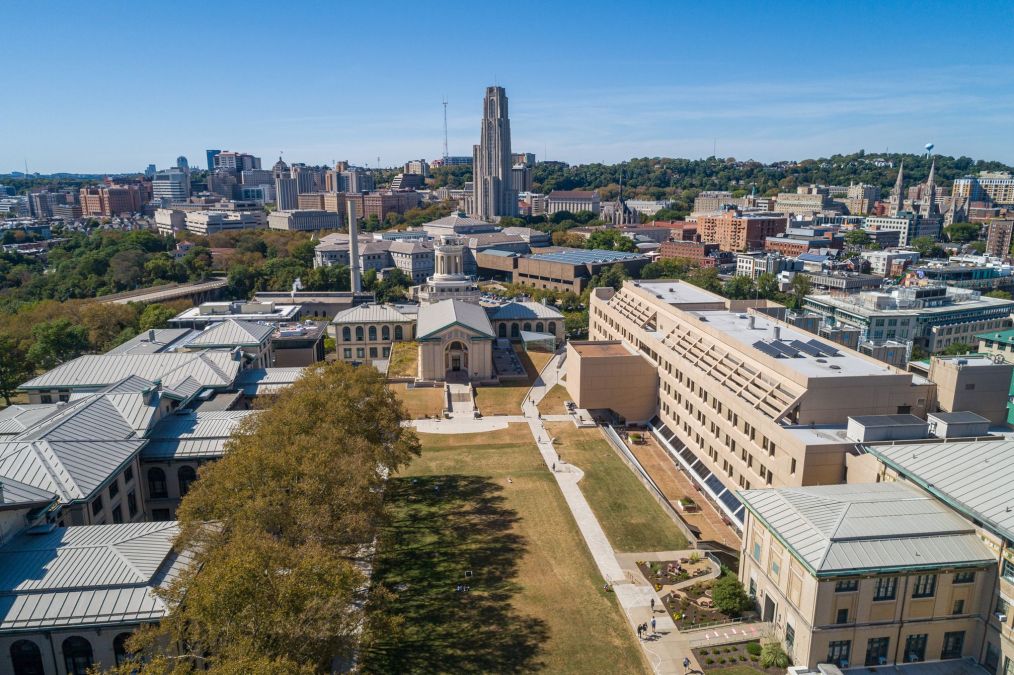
366, 333
611, 375
744, 400
455, 342
873, 575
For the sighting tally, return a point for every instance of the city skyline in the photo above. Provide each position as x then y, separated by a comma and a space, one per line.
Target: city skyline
785, 84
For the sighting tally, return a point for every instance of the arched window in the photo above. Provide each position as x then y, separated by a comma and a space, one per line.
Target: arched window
373, 333
515, 331
77, 655
26, 658
120, 652
551, 327
156, 483
539, 328
359, 333
186, 475
347, 334
502, 331
528, 326
399, 334
385, 333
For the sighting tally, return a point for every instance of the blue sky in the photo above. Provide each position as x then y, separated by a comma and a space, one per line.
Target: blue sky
112, 86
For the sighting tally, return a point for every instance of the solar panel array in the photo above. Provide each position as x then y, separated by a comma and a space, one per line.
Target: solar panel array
792, 349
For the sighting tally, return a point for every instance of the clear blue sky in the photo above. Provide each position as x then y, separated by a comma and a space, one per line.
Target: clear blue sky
112, 86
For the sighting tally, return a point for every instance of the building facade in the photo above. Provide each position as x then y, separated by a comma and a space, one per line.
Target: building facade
734, 231
491, 172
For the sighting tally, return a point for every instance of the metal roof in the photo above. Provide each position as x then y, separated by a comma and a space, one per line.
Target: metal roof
524, 310
580, 256
143, 344
370, 314
437, 316
259, 381
16, 419
87, 575
977, 478
70, 469
964, 417
232, 333
207, 368
878, 527
16, 493
197, 435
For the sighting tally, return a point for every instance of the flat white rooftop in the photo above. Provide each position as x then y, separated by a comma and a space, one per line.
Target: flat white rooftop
678, 293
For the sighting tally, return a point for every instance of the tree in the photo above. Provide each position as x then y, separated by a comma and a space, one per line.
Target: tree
801, 287
773, 656
242, 281
57, 341
276, 583
963, 232
857, 238
729, 595
667, 268
706, 278
106, 323
739, 288
127, 268
767, 286
611, 239
1002, 295
927, 247
154, 316
957, 349
15, 367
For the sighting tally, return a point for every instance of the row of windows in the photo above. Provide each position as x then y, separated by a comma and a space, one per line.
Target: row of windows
78, 658
385, 333
886, 588
878, 649
159, 489
361, 352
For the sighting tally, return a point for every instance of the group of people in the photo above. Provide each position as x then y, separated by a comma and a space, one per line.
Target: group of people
642, 629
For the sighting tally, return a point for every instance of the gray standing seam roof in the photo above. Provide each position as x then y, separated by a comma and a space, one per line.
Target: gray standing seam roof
977, 478
198, 435
232, 332
879, 527
209, 368
437, 316
524, 310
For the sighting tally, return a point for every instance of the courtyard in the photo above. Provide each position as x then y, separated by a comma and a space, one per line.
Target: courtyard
481, 568
507, 397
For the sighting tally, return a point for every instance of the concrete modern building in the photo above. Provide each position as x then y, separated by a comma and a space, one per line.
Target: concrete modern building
866, 575
286, 195
737, 231
712, 201
212, 222
304, 220
208, 313
931, 317
171, 185
491, 172
890, 262
235, 161
994, 187
573, 201
570, 269
908, 225
745, 400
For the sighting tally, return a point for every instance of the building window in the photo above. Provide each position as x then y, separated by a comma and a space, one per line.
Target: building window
120, 652
756, 551
385, 333
790, 637
360, 353
954, 645
915, 648
128, 474
26, 658
842, 616
399, 333
132, 503
160, 514
885, 588
97, 506
876, 651
186, 475
1008, 570
359, 333
348, 352
114, 488
77, 655
373, 352
964, 577
839, 651
925, 586
373, 333
846, 586
117, 514
156, 483
959, 606
387, 352
347, 334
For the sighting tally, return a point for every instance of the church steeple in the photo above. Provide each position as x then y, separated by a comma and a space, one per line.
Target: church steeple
930, 199
899, 200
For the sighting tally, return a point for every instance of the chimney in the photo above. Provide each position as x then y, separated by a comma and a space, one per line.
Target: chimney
776, 332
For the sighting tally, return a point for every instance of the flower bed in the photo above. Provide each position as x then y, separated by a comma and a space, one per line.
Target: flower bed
669, 572
715, 659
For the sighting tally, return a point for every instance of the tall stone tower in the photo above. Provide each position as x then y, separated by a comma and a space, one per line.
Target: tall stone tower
491, 161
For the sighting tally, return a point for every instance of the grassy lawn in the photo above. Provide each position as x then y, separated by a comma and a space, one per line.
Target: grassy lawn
535, 600
632, 519
420, 402
506, 399
404, 360
552, 402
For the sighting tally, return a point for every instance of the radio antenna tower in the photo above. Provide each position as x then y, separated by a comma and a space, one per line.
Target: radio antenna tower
445, 130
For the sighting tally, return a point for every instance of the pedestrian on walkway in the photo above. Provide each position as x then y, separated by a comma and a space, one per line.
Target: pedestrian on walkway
653, 605
638, 631
652, 625
554, 467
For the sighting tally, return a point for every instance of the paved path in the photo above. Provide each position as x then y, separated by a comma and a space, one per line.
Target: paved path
664, 650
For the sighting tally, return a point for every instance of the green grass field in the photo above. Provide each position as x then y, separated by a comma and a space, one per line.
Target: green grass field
420, 402
486, 503
630, 516
506, 399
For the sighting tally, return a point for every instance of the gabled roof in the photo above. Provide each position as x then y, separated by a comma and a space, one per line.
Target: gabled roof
16, 419
143, 344
209, 368
197, 435
437, 316
232, 333
71, 470
16, 493
87, 575
974, 477
524, 310
259, 381
456, 219
370, 313
878, 527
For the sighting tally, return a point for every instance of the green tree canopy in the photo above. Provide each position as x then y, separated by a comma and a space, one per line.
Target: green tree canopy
57, 341
963, 232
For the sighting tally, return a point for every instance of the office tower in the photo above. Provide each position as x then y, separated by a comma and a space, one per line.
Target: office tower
150, 171
357, 180
521, 178
182, 164
286, 196
237, 161
172, 185
211, 158
999, 239
491, 165
308, 179
524, 158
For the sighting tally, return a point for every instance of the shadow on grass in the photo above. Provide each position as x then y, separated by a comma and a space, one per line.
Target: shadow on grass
439, 529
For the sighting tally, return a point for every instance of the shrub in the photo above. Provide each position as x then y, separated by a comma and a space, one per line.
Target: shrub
729, 595
704, 652
721, 660
773, 656
742, 657
754, 659
753, 648
710, 661
694, 557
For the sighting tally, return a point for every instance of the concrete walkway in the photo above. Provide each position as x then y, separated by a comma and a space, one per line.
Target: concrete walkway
666, 649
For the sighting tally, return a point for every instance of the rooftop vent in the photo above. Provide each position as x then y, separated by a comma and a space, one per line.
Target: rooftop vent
834, 367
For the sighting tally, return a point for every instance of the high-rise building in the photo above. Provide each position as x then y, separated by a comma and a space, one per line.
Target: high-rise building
524, 158
286, 195
355, 179
998, 241
172, 185
995, 187
491, 165
211, 158
521, 178
419, 166
182, 164
237, 161
150, 171
110, 200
